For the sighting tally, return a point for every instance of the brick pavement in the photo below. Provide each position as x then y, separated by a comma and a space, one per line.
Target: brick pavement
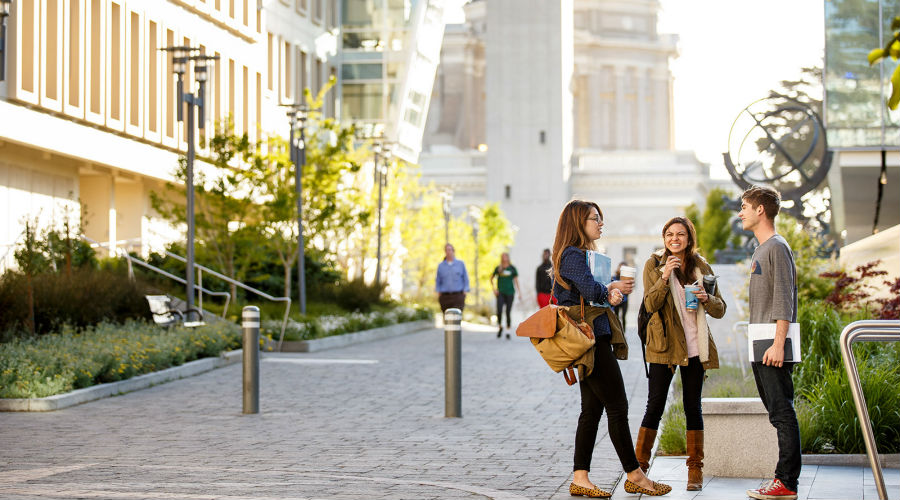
338, 430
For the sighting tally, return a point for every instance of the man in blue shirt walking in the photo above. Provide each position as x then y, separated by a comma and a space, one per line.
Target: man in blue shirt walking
452, 281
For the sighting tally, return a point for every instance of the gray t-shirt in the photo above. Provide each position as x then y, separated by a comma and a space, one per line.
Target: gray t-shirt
773, 282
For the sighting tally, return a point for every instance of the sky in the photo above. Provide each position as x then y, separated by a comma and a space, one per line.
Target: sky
731, 53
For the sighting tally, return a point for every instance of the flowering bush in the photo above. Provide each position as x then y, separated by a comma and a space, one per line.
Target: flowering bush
73, 358
326, 326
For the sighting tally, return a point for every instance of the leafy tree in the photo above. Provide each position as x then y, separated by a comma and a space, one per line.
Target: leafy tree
891, 49
223, 201
811, 286
714, 225
32, 261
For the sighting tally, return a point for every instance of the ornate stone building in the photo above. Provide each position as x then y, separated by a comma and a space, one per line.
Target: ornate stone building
536, 103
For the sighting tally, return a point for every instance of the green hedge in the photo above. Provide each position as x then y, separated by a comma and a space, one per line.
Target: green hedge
73, 359
329, 325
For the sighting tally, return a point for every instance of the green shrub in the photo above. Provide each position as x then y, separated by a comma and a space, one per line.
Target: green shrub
356, 295
73, 359
831, 405
84, 297
672, 440
328, 325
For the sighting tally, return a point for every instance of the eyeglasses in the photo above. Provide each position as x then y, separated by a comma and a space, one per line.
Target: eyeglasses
596, 219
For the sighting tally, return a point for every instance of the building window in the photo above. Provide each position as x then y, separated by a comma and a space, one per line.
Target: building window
50, 72
170, 89
318, 77
217, 95
231, 89
258, 120
628, 255
74, 54
134, 70
152, 77
301, 75
361, 101
115, 63
301, 6
29, 49
271, 63
317, 10
245, 111
286, 72
507, 191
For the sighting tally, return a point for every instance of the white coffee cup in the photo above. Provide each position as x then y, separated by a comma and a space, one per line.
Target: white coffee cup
626, 273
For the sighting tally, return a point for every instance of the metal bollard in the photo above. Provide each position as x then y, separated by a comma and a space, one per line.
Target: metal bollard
452, 370
250, 323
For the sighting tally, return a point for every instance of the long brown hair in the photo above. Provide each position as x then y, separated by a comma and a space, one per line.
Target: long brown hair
570, 232
690, 253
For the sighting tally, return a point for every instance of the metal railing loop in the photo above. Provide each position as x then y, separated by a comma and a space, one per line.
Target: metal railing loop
867, 331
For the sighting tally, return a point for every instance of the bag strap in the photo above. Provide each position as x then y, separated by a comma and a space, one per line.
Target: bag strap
569, 375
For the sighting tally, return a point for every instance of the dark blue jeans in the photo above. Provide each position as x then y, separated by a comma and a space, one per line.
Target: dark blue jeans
776, 389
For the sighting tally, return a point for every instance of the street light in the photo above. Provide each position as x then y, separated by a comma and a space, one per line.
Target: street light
474, 217
383, 149
447, 196
182, 56
4, 13
297, 115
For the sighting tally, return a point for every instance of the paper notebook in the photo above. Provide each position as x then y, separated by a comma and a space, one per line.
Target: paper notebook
600, 266
761, 335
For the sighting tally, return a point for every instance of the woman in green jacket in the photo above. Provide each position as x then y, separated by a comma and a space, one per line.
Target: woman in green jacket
678, 336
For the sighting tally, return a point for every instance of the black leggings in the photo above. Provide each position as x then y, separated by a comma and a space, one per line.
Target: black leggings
504, 300
604, 388
692, 387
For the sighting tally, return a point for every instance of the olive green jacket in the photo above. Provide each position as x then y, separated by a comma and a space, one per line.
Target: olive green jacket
669, 347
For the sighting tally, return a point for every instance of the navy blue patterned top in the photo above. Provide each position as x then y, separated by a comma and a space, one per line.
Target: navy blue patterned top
574, 270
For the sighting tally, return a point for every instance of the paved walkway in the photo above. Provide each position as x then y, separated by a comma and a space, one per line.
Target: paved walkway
362, 422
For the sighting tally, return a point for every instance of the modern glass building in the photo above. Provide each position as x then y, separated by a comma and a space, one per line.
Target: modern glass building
861, 130
390, 50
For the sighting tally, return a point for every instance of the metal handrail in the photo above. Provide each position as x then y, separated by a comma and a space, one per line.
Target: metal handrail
737, 347
134, 260
867, 331
287, 308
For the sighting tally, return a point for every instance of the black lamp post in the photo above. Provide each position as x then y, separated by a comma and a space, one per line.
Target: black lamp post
475, 216
181, 57
446, 195
4, 13
384, 150
297, 114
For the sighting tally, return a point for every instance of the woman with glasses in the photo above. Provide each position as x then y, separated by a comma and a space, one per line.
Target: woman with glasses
678, 336
601, 386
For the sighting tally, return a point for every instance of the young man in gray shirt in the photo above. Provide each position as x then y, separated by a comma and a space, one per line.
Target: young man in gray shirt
773, 299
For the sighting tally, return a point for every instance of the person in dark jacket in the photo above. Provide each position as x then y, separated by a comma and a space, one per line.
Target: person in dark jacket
542, 280
580, 224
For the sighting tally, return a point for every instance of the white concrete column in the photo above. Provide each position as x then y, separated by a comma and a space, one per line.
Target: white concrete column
644, 111
619, 129
112, 215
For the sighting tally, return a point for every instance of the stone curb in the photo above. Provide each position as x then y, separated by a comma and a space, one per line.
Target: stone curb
888, 461
346, 339
93, 393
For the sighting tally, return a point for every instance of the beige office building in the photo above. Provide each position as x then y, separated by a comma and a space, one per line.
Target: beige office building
88, 102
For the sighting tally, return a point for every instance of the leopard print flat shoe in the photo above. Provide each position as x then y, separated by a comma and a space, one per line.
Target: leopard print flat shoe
659, 489
576, 490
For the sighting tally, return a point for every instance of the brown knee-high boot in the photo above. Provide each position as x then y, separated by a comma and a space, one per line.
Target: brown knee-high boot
695, 460
644, 445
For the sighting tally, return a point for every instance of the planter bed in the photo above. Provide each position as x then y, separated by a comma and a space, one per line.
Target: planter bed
78, 396
343, 340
